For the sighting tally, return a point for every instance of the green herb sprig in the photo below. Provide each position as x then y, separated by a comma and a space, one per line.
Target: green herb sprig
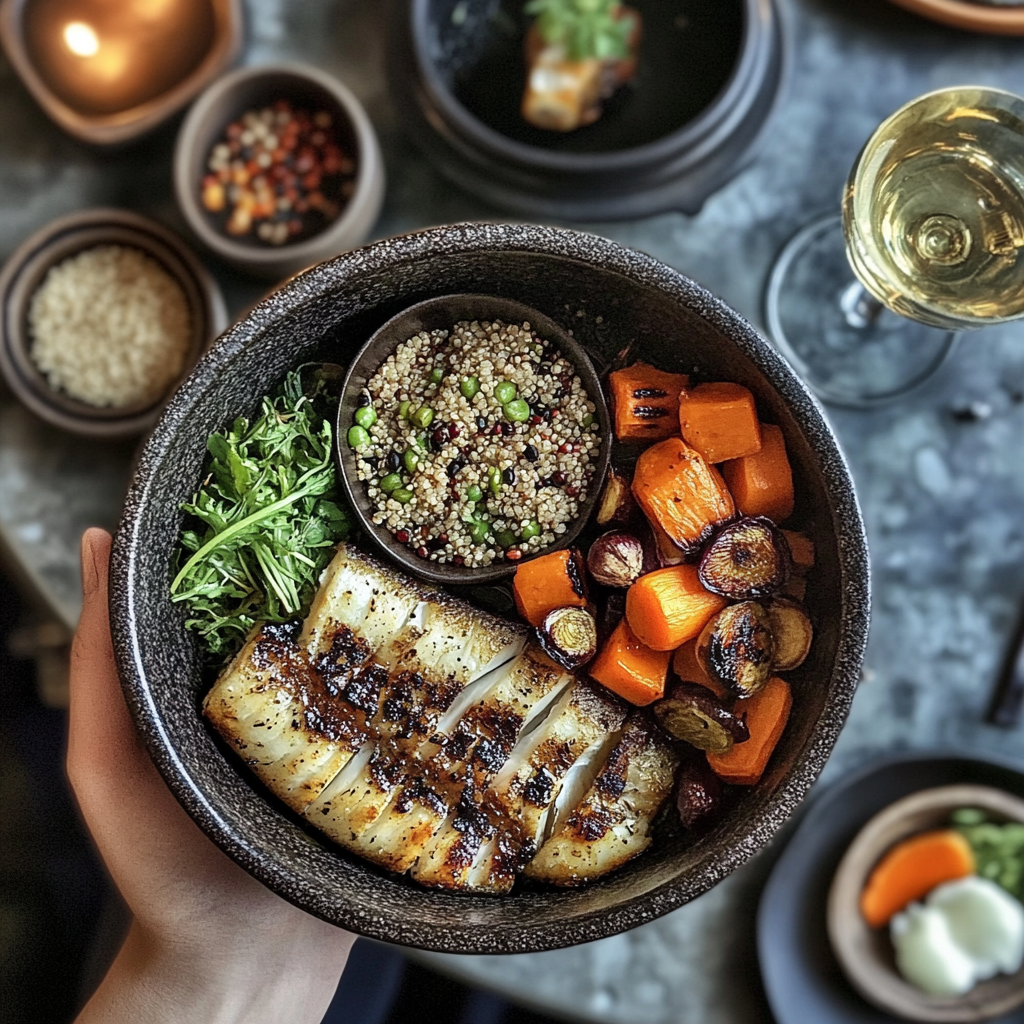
270, 519
586, 28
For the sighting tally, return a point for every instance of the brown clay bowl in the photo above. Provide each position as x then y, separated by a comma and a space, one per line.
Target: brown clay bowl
866, 954
974, 17
610, 297
442, 313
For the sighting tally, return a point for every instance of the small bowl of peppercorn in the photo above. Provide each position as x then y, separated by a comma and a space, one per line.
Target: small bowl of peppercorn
277, 168
472, 435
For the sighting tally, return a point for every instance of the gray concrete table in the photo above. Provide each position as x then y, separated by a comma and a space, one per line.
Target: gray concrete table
943, 494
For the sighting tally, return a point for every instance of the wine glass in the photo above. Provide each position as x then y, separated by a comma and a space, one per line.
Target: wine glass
932, 226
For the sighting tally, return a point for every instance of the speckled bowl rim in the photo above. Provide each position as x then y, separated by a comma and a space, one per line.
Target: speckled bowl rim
459, 935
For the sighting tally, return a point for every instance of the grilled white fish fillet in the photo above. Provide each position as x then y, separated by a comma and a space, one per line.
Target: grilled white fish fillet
430, 737
273, 709
611, 825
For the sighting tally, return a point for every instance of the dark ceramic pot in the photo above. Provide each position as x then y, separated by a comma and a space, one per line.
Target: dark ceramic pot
707, 80
610, 297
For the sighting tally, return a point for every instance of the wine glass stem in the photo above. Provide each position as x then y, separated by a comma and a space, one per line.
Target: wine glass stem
860, 308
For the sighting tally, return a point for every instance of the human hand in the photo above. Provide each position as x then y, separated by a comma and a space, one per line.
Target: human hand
208, 942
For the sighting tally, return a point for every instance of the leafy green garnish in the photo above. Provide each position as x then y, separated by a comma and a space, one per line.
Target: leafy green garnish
586, 28
270, 519
998, 848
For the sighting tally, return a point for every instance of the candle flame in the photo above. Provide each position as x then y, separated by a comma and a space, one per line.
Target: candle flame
81, 39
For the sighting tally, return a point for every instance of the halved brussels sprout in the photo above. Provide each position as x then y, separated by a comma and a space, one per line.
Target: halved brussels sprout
569, 637
748, 559
792, 631
737, 648
691, 712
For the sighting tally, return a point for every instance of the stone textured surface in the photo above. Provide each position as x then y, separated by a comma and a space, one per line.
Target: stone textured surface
942, 497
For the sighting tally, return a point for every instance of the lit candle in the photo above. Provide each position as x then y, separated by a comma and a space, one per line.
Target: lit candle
108, 56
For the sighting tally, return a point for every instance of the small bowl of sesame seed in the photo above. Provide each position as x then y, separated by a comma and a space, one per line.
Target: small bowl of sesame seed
102, 314
472, 435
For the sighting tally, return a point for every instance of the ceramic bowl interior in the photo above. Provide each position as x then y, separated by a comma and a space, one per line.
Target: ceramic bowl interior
866, 954
221, 20
611, 297
442, 313
26, 270
687, 57
254, 88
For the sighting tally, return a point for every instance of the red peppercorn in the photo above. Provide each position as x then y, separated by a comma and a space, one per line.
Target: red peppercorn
572, 491
443, 538
513, 554
459, 560
422, 551
402, 536
564, 449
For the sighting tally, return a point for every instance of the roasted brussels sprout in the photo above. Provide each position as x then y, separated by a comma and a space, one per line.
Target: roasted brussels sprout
616, 559
748, 559
792, 632
616, 504
691, 712
698, 792
738, 649
569, 637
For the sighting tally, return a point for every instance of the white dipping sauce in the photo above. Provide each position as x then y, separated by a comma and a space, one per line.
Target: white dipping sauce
966, 931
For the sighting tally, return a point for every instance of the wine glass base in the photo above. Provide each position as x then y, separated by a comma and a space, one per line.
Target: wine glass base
849, 349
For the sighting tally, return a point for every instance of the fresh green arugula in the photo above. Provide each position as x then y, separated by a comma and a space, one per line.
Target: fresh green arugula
586, 28
269, 518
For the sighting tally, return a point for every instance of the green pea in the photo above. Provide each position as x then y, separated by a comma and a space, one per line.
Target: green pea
358, 437
469, 387
436, 375
517, 411
365, 416
478, 532
505, 538
422, 443
411, 460
505, 392
402, 494
422, 417
494, 479
473, 493
390, 483
403, 410
588, 419
531, 530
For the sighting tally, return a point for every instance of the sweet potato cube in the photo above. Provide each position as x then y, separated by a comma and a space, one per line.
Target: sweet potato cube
645, 401
720, 421
762, 484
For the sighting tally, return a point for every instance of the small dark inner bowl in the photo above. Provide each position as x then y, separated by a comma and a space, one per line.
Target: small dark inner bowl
442, 313
687, 55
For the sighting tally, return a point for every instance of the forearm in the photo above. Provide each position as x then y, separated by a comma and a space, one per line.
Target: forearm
246, 981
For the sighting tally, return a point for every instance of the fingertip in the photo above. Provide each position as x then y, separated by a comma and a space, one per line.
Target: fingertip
96, 545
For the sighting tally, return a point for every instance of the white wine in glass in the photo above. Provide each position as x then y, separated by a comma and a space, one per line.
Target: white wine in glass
934, 209
933, 228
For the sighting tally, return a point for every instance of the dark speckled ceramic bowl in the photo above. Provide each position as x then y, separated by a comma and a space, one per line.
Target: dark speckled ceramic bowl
611, 296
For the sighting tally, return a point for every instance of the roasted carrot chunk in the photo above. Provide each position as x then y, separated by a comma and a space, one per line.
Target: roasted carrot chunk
551, 581
762, 484
766, 715
681, 493
720, 421
691, 669
630, 668
911, 869
645, 401
667, 607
